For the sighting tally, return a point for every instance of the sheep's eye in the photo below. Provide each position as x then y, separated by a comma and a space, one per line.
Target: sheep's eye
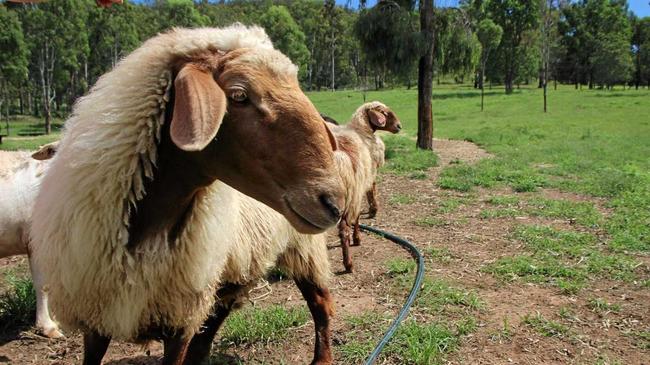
239, 96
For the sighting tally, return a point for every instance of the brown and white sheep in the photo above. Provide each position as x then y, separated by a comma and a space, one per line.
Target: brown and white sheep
360, 156
20, 177
127, 207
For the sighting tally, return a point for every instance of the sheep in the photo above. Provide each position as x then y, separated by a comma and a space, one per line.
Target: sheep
358, 165
20, 176
145, 163
265, 239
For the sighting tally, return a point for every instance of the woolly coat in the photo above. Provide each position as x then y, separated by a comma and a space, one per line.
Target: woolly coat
265, 239
82, 210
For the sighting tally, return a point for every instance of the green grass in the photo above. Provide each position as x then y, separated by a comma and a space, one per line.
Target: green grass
583, 213
27, 133
438, 254
450, 204
503, 200
430, 221
254, 325
642, 339
438, 295
399, 266
18, 303
402, 158
503, 334
422, 343
544, 326
565, 259
602, 306
498, 213
401, 199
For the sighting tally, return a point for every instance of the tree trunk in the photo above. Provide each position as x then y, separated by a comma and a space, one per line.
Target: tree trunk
332, 51
425, 78
481, 78
21, 100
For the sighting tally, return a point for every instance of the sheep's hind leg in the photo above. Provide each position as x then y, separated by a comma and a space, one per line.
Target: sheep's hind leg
175, 348
373, 205
320, 305
344, 235
95, 346
356, 233
201, 344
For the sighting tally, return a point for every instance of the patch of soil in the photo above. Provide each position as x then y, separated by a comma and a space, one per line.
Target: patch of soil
501, 336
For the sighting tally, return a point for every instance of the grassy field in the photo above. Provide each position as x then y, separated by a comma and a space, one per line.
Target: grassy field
592, 146
27, 132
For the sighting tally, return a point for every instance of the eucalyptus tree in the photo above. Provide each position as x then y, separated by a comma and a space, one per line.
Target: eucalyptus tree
13, 58
286, 35
489, 35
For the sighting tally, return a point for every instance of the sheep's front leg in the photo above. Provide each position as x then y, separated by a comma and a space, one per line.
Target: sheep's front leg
320, 305
344, 236
373, 204
356, 233
175, 348
44, 322
201, 345
95, 346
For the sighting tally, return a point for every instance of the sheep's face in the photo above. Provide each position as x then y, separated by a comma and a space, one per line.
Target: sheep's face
272, 143
382, 118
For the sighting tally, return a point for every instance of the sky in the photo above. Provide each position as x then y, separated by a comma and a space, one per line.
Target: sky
639, 7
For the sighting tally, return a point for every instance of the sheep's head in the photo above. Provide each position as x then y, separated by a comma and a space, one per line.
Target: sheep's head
256, 131
382, 118
46, 152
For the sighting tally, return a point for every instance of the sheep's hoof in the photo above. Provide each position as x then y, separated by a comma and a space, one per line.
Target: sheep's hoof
51, 333
349, 269
356, 243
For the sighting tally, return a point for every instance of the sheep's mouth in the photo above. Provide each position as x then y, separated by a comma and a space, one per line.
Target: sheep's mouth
302, 218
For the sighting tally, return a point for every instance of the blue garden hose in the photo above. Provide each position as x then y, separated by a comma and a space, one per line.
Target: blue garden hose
412, 294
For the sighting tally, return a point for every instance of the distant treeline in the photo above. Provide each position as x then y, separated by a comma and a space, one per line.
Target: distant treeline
51, 52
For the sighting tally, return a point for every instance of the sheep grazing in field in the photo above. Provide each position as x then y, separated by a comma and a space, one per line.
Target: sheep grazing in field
128, 206
20, 177
265, 239
360, 156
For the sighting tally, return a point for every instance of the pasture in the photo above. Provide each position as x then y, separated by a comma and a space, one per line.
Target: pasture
535, 228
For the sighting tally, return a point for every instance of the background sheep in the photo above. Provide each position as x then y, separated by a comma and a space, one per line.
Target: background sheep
20, 177
127, 207
265, 239
362, 153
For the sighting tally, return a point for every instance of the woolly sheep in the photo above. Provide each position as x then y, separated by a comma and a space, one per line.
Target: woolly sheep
358, 165
126, 206
20, 176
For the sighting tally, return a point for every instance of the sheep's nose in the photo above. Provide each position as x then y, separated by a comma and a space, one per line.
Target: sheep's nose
399, 126
329, 203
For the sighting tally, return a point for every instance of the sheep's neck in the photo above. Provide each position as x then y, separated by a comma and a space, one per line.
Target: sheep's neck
169, 196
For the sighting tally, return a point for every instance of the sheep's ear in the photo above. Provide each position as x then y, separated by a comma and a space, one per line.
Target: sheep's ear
199, 107
331, 137
46, 152
378, 119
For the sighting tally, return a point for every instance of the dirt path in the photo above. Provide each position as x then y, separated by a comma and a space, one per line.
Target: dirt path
458, 244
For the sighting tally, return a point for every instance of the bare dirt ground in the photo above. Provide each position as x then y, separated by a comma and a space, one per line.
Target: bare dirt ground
469, 243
